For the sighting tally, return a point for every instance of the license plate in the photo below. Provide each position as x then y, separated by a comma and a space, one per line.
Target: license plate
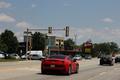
52, 66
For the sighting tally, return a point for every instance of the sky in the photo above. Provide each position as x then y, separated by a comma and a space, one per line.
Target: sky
98, 20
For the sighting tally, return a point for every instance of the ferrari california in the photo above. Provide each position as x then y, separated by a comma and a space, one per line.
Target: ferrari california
59, 63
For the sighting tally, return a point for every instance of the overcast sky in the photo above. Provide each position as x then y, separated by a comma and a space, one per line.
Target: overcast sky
98, 20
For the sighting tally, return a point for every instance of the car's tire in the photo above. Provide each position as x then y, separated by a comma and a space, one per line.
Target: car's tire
112, 63
115, 61
77, 68
101, 63
43, 72
69, 70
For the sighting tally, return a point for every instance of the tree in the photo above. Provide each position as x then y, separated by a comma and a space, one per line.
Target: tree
69, 44
9, 41
106, 48
38, 41
3, 47
113, 47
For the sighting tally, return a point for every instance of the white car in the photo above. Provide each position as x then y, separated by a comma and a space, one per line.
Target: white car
13, 55
24, 56
77, 57
36, 57
1, 56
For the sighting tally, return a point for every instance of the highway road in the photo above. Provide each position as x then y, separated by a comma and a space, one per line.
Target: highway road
30, 70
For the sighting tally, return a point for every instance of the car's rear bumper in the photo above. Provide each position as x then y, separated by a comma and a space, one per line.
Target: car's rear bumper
54, 70
106, 62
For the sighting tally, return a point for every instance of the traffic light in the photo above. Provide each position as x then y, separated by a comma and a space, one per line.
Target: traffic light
67, 31
49, 30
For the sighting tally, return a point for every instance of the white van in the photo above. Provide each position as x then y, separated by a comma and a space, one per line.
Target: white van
1, 55
35, 55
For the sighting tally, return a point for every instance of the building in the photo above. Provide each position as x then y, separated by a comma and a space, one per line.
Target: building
27, 37
55, 42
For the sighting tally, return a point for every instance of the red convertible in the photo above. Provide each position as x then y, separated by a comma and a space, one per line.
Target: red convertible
59, 63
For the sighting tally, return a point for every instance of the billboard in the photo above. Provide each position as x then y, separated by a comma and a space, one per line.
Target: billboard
87, 47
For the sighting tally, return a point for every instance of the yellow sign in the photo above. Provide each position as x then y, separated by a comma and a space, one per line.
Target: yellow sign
87, 50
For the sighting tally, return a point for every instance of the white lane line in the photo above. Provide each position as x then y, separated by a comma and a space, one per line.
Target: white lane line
116, 68
100, 74
30, 69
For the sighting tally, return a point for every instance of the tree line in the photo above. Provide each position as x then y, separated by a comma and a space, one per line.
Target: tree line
9, 44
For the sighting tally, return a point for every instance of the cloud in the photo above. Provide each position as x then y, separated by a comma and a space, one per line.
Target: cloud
23, 25
107, 20
96, 35
34, 5
19, 36
5, 5
6, 18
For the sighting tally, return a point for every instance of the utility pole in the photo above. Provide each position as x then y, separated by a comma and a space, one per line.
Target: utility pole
50, 29
75, 40
28, 39
27, 43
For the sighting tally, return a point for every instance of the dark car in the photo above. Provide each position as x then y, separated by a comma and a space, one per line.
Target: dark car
88, 57
117, 59
107, 59
59, 63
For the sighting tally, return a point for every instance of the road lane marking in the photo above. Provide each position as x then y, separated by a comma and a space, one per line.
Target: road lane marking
116, 68
30, 69
100, 74
19, 69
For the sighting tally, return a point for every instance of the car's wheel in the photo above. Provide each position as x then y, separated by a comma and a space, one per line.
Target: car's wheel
69, 70
115, 61
77, 68
43, 71
101, 63
111, 64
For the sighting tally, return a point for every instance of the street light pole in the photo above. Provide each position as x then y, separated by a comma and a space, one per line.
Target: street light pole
75, 40
59, 46
27, 43
49, 45
49, 40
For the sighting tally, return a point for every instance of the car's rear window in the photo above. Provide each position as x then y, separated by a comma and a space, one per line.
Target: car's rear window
57, 56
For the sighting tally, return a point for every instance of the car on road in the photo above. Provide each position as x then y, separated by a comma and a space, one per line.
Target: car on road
88, 57
77, 57
35, 57
59, 63
1, 55
117, 59
107, 59
14, 55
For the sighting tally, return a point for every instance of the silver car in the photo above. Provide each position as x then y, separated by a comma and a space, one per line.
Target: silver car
77, 57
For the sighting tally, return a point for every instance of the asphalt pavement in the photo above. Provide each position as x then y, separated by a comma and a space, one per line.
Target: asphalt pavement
30, 70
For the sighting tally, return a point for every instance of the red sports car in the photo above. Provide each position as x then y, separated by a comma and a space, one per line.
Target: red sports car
59, 63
